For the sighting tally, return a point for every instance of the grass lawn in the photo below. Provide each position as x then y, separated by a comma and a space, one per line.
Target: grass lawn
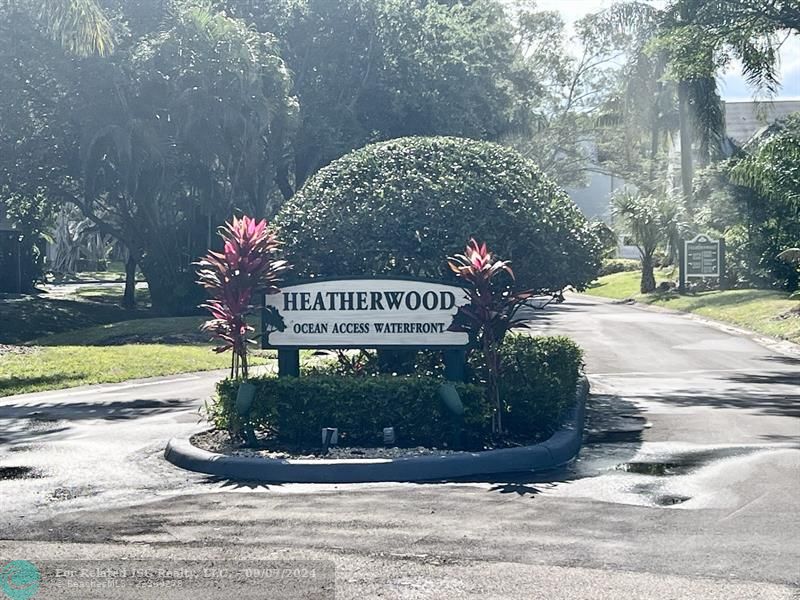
112, 294
110, 353
769, 312
625, 284
56, 367
58, 343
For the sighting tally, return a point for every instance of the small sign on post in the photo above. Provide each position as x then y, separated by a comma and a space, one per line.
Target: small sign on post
701, 258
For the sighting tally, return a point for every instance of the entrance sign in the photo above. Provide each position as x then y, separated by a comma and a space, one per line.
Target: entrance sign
700, 258
364, 313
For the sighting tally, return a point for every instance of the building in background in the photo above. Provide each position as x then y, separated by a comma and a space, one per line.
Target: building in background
747, 120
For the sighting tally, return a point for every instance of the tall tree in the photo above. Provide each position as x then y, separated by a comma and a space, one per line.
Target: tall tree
82, 27
565, 91
156, 144
771, 170
369, 70
689, 57
651, 222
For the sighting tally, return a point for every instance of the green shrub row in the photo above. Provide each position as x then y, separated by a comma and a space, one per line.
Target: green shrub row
538, 380
295, 410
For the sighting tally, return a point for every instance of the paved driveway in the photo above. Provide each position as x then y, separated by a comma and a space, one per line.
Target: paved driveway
702, 504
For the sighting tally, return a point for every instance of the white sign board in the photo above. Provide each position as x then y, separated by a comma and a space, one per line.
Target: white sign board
365, 313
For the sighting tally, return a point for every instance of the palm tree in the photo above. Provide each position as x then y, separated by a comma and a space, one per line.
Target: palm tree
679, 44
651, 222
192, 135
80, 26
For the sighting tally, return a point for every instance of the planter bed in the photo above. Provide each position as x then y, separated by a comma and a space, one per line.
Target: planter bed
554, 452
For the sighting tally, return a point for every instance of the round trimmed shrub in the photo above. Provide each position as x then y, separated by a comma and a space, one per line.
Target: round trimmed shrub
401, 207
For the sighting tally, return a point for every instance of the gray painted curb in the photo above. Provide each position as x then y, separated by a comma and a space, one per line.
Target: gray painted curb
556, 451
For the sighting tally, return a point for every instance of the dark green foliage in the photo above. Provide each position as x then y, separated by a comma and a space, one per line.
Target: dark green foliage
538, 378
770, 176
21, 248
369, 70
608, 238
400, 207
296, 410
537, 381
20, 263
183, 125
753, 201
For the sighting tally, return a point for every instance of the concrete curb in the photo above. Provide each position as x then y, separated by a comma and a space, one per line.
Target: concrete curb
556, 451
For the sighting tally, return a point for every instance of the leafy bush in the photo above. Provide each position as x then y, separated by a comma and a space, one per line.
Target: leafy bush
399, 207
608, 238
296, 409
618, 265
538, 376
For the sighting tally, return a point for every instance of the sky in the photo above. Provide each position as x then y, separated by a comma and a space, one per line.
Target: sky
732, 84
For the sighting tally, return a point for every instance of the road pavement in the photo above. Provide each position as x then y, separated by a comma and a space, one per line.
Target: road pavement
703, 503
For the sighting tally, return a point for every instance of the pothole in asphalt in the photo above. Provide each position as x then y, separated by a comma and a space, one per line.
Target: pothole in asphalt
18, 472
681, 464
659, 469
41, 424
671, 499
61, 494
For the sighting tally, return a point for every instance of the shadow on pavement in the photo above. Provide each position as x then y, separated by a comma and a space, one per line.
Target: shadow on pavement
787, 360
15, 383
238, 484
34, 421
766, 400
75, 411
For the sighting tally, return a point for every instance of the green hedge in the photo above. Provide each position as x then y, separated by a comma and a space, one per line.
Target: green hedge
539, 376
538, 382
296, 409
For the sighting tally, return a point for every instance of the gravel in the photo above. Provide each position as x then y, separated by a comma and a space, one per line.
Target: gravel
219, 442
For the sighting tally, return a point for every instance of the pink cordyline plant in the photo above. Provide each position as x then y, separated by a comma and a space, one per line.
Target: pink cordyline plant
490, 313
244, 269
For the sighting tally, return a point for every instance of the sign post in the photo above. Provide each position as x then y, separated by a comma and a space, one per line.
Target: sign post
379, 313
701, 258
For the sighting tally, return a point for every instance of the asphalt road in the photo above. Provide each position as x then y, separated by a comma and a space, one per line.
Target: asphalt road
703, 503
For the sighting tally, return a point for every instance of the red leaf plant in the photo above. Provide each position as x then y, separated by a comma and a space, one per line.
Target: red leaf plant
245, 268
491, 312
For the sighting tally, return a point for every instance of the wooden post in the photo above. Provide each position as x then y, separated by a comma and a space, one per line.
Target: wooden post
723, 283
263, 321
288, 362
455, 364
682, 267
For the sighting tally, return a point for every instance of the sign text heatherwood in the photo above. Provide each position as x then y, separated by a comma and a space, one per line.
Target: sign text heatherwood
365, 313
